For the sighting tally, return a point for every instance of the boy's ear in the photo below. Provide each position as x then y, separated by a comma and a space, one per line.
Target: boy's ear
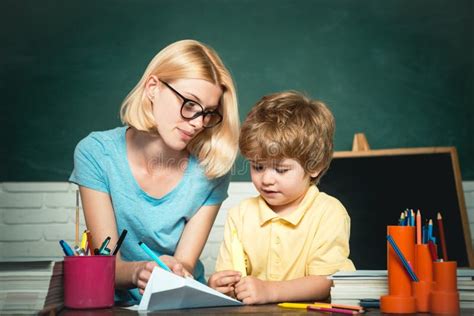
314, 174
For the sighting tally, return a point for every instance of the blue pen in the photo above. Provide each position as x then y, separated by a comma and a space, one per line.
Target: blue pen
67, 250
153, 256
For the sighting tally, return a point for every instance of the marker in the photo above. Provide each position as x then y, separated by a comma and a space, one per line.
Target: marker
370, 303
153, 256
84, 240
105, 252
119, 242
79, 251
67, 250
104, 244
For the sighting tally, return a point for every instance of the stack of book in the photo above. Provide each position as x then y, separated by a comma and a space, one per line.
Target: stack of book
30, 287
351, 287
466, 287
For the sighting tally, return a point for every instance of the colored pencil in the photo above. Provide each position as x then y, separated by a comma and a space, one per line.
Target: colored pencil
343, 306
442, 237
430, 230
402, 258
89, 243
433, 250
303, 305
418, 227
332, 310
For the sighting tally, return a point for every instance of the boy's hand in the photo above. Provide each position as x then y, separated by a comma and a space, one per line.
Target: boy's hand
251, 290
224, 281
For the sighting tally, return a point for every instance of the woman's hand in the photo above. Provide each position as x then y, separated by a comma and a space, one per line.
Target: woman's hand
175, 266
224, 281
145, 268
142, 274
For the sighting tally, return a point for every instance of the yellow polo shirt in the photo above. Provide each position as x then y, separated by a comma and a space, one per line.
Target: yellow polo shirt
311, 240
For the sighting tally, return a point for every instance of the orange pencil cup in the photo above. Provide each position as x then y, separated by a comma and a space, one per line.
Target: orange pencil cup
400, 299
424, 272
444, 298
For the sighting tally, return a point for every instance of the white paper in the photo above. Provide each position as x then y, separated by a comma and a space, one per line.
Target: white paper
166, 290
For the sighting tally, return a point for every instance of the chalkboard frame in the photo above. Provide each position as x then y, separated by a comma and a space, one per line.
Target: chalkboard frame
427, 150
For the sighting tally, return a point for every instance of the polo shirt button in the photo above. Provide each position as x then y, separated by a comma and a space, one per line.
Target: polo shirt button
277, 240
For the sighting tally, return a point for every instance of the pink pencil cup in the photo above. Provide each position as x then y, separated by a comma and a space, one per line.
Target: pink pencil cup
89, 281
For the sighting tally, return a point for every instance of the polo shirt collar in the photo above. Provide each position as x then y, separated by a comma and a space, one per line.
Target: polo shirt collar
266, 214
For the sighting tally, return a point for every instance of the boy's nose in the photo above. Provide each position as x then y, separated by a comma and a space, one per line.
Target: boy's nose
268, 177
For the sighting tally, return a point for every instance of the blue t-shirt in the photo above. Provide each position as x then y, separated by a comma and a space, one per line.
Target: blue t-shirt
101, 163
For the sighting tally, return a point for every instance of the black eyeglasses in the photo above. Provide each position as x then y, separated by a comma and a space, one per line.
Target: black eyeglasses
191, 109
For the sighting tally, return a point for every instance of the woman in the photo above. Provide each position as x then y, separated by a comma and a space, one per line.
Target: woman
164, 175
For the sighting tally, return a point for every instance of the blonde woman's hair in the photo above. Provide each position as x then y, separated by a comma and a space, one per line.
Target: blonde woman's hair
289, 125
216, 148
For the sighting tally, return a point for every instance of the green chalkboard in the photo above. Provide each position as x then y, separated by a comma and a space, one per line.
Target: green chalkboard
402, 72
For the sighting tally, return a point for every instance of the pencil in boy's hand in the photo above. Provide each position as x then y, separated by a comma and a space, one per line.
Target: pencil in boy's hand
442, 237
238, 257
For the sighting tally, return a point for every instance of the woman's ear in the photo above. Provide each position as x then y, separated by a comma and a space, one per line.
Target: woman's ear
151, 87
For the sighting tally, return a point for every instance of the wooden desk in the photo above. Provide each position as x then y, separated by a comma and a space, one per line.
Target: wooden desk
247, 310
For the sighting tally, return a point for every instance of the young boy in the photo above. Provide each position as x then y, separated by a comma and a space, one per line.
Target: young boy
292, 235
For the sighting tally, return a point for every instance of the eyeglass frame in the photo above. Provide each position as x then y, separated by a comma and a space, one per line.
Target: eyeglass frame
202, 113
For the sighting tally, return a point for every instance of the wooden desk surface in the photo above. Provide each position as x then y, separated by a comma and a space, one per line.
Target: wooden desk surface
248, 310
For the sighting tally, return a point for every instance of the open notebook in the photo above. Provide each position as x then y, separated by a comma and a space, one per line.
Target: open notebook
166, 290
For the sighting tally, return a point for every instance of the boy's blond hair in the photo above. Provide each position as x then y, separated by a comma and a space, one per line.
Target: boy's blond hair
216, 147
289, 125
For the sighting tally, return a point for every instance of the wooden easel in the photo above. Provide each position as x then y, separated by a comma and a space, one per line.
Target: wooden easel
361, 148
360, 142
